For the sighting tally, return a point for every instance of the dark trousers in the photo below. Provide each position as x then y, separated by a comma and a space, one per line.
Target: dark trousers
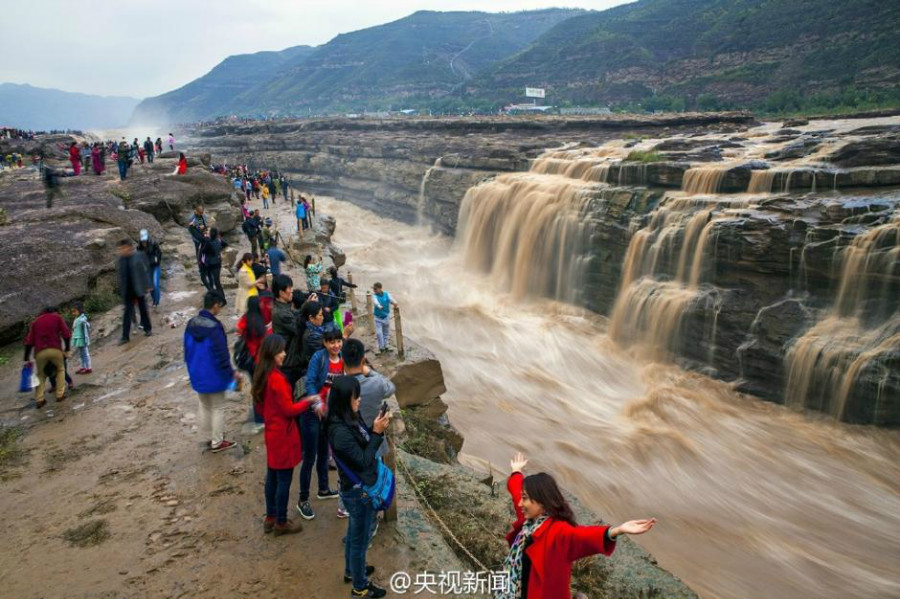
123, 169
129, 315
200, 266
359, 533
278, 492
315, 451
213, 280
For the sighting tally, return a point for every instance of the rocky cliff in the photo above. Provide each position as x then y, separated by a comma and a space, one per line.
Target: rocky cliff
730, 249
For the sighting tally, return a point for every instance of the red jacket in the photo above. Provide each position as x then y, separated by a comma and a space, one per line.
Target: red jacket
182, 167
555, 545
279, 414
47, 331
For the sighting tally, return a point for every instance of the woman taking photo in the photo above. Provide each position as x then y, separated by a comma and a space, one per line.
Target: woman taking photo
246, 283
272, 396
545, 538
313, 270
355, 448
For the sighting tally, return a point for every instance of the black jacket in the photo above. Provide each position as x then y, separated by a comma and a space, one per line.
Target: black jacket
286, 322
154, 254
212, 251
337, 286
134, 280
356, 453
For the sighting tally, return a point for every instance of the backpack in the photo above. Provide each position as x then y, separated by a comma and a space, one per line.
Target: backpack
241, 355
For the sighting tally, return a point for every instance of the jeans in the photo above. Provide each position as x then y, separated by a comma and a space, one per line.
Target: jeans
129, 315
359, 532
382, 331
315, 450
213, 272
211, 417
278, 492
265, 202
123, 169
156, 291
85, 354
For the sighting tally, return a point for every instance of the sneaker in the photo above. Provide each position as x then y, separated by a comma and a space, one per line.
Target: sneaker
223, 446
147, 333
288, 528
268, 525
88, 371
369, 571
342, 513
327, 494
40, 403
370, 591
80, 371
122, 342
306, 511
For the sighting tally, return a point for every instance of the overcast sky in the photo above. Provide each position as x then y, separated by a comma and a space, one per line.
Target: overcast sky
144, 48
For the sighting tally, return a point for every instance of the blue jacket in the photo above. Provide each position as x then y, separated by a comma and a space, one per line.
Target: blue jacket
301, 210
317, 372
206, 354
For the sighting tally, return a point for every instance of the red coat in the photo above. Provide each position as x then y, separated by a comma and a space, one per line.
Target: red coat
48, 331
555, 545
182, 167
279, 414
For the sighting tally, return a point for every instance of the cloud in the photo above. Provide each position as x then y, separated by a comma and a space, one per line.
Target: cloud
147, 48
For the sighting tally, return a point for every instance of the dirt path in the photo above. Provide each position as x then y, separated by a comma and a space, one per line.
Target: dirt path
119, 468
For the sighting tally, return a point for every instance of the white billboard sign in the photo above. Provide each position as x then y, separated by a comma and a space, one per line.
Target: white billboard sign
534, 92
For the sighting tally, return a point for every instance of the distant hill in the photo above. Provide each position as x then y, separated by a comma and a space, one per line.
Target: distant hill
773, 55
43, 109
214, 93
710, 54
423, 56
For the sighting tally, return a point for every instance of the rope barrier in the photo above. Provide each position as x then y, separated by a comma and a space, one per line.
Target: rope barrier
447, 530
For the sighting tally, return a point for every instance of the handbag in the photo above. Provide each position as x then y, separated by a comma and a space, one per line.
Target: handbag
381, 492
241, 355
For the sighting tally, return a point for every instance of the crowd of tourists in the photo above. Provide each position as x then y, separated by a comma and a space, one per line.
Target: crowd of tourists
26, 134
312, 393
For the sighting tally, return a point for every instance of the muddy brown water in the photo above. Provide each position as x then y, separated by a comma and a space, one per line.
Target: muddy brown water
753, 499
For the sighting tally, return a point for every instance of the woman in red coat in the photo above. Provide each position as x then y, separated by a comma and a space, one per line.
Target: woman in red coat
272, 394
75, 158
545, 538
182, 164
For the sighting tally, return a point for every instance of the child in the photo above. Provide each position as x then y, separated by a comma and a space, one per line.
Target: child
81, 337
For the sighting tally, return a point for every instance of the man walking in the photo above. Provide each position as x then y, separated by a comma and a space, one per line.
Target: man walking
276, 257
46, 336
134, 283
251, 228
210, 370
148, 150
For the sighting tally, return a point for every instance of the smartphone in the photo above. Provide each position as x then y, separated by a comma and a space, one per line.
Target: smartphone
384, 408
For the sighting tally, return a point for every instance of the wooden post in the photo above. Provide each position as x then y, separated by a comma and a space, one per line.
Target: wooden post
398, 331
313, 206
370, 312
390, 460
354, 305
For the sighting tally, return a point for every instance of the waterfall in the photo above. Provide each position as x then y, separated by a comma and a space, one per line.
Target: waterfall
824, 365
530, 232
703, 179
420, 206
761, 181
650, 310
